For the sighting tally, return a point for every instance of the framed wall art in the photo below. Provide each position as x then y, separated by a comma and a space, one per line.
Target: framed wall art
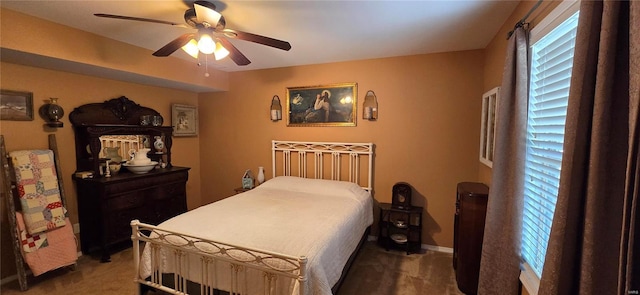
16, 105
184, 119
324, 105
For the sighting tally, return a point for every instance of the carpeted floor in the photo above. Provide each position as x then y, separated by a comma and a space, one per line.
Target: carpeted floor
374, 272
380, 272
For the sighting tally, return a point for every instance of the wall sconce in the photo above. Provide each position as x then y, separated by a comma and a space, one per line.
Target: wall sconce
276, 109
370, 106
52, 113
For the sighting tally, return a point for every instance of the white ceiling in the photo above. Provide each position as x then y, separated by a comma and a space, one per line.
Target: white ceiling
319, 31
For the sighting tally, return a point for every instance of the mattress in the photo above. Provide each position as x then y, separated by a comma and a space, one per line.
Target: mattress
322, 220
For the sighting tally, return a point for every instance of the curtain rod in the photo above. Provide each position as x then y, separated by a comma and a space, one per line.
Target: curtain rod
522, 21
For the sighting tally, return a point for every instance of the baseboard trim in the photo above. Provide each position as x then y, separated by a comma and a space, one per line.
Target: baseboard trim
423, 246
12, 278
437, 248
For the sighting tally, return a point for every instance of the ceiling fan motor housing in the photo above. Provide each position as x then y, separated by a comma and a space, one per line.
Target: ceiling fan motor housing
191, 18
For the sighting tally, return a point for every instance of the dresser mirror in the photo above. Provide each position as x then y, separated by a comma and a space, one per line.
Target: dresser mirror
115, 130
117, 148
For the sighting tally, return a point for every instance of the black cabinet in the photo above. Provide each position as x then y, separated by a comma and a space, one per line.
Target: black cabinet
400, 229
471, 207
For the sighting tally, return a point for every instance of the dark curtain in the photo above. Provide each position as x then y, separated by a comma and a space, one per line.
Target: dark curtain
593, 247
500, 262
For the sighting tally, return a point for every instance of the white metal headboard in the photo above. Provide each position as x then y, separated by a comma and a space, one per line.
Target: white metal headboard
337, 151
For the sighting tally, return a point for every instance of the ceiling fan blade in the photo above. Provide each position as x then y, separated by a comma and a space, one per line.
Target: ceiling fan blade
234, 53
141, 19
206, 13
257, 39
174, 45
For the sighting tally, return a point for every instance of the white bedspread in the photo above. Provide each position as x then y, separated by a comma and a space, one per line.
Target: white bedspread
320, 219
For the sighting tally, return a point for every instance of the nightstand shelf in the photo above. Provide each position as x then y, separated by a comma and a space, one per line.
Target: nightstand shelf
400, 229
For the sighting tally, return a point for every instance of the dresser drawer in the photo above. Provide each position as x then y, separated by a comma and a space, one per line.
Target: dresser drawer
164, 209
126, 201
146, 181
167, 191
120, 224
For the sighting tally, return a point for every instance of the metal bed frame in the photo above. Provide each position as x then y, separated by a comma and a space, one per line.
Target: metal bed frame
239, 259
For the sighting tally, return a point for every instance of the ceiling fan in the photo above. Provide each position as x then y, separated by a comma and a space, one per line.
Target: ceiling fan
210, 36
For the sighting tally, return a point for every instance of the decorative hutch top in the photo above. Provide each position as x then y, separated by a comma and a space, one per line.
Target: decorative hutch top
118, 116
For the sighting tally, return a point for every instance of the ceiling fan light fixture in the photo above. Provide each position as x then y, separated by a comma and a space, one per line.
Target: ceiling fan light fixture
209, 23
206, 44
220, 52
191, 48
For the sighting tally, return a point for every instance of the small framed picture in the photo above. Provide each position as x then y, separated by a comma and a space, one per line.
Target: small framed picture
184, 119
16, 105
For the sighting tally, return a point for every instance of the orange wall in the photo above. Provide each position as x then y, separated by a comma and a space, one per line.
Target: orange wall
427, 133
74, 90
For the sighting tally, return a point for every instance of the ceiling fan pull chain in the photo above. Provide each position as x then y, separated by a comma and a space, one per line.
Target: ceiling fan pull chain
206, 66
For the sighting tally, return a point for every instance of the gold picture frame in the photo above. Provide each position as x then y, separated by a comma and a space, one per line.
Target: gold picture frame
16, 105
184, 119
322, 105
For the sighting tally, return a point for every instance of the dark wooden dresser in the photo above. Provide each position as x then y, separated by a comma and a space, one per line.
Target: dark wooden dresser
471, 207
107, 204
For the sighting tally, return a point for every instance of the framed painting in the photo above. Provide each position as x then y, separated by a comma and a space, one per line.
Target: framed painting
184, 119
324, 105
16, 105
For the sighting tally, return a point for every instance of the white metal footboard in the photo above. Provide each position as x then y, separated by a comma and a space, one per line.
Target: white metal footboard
180, 250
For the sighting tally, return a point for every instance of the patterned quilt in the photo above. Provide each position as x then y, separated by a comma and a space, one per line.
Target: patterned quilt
60, 249
37, 185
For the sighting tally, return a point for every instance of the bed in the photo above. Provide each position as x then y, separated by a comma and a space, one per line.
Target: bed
294, 234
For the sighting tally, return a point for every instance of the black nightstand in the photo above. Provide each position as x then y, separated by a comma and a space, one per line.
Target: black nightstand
400, 229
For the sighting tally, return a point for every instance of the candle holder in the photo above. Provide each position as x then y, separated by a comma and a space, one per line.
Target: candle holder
370, 106
276, 109
52, 112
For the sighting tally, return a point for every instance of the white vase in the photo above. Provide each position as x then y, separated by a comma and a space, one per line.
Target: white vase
260, 175
158, 144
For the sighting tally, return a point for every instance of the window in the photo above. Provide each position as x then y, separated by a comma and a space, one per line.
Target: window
488, 127
553, 42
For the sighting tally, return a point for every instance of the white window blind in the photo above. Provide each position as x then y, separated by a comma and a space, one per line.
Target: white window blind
551, 64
